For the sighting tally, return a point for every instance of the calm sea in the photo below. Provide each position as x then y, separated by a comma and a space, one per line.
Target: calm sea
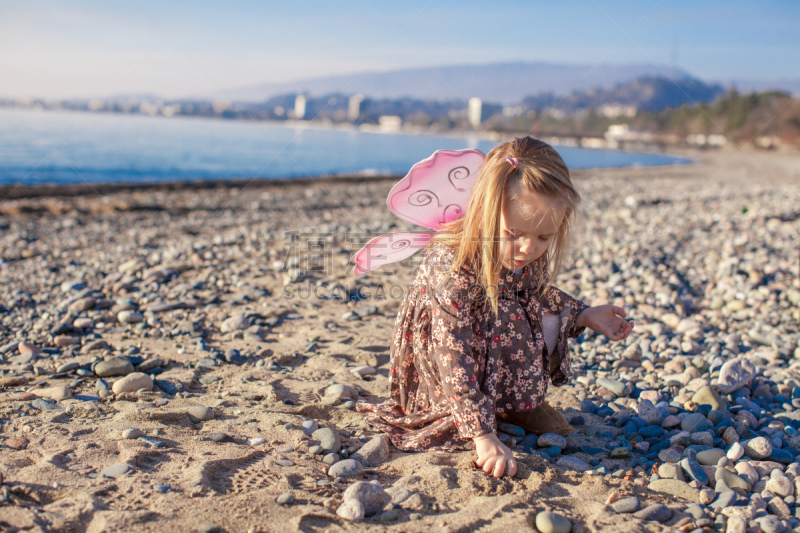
60, 147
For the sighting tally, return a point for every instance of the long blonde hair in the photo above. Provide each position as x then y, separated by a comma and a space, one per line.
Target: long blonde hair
476, 236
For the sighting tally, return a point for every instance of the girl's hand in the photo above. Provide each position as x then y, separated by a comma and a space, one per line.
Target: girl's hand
494, 457
607, 320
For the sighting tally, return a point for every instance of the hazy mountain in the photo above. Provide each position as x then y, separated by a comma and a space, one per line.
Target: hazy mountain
650, 93
506, 83
790, 85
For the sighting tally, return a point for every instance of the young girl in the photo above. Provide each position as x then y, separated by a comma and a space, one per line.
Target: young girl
481, 330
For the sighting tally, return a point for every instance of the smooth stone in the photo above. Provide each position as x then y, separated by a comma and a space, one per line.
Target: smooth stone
161, 488
731, 479
779, 484
626, 505
223, 437
132, 383
116, 470
511, 429
649, 412
692, 467
116, 366
132, 434
725, 499
758, 448
670, 422
67, 368
551, 439
236, 322
316, 449
329, 439
735, 452
130, 317
676, 488
735, 374
549, 522
341, 392
617, 387
54, 393
620, 453
656, 512
573, 463
351, 510
710, 457
371, 495
256, 441
695, 423
346, 468
708, 396
310, 426
200, 413
43, 405
374, 453
287, 498
331, 458
398, 494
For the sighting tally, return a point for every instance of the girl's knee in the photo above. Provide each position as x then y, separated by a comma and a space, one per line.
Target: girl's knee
550, 328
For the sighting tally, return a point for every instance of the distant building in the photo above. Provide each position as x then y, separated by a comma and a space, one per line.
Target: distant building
354, 107
474, 109
220, 106
390, 122
300, 106
616, 110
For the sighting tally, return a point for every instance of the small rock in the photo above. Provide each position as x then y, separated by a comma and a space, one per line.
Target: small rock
116, 470
132, 434
310, 426
626, 505
552, 439
132, 383
573, 463
735, 374
656, 512
758, 448
200, 413
286, 498
329, 439
374, 453
116, 366
347, 468
130, 317
549, 522
351, 510
371, 495
54, 393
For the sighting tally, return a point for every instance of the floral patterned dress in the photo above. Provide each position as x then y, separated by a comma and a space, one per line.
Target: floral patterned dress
455, 364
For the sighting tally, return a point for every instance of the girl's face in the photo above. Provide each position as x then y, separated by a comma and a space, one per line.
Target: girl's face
528, 225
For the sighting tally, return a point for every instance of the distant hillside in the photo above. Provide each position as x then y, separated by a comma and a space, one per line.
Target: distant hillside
505, 83
647, 93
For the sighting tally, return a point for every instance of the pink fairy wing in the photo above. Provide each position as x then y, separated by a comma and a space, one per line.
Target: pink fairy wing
436, 190
389, 248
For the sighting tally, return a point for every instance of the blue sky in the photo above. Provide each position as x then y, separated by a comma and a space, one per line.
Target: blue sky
83, 48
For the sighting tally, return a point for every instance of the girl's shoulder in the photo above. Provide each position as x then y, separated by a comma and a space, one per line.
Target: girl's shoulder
451, 284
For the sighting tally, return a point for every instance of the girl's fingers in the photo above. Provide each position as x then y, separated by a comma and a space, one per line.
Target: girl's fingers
512, 467
489, 465
618, 311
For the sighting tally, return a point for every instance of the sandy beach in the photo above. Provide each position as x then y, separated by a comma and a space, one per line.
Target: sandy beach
188, 360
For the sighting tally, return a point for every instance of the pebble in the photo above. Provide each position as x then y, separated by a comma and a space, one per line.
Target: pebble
656, 512
573, 463
371, 495
758, 448
132, 434
132, 383
551, 439
287, 498
351, 510
116, 366
735, 374
374, 453
116, 470
329, 439
310, 426
626, 505
200, 413
549, 522
346, 468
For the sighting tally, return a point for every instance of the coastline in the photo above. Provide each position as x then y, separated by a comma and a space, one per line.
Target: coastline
234, 352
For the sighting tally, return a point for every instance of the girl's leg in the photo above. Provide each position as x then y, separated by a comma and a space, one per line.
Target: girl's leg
550, 330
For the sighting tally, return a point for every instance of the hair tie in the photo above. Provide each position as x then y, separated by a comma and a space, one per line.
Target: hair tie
513, 161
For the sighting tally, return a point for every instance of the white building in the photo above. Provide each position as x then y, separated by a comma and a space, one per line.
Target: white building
474, 109
354, 107
299, 106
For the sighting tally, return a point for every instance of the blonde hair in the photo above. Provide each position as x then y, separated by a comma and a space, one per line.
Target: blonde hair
475, 236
